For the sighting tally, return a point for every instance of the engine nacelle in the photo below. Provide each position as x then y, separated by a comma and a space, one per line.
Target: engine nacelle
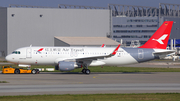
67, 66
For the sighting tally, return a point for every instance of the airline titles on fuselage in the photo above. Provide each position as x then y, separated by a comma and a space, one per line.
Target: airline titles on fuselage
65, 49
72, 51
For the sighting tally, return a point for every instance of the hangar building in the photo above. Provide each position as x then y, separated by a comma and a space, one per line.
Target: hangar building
140, 22
23, 26
43, 26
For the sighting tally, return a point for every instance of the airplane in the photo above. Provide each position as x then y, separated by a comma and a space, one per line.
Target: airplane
69, 58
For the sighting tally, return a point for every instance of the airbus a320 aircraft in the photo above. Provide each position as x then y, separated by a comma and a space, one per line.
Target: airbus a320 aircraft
69, 58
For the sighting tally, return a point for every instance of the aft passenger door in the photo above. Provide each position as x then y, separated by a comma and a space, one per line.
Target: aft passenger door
140, 54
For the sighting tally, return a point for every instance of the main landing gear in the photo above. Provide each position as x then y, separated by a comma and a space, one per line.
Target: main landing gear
85, 70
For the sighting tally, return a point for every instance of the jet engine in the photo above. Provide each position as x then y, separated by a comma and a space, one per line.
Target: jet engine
67, 66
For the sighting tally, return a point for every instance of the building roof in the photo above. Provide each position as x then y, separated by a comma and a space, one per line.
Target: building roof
87, 40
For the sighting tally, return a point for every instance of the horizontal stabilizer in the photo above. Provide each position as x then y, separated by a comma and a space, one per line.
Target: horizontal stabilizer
164, 52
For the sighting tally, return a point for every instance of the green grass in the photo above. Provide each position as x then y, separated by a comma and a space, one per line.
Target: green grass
130, 69
3, 82
115, 69
96, 97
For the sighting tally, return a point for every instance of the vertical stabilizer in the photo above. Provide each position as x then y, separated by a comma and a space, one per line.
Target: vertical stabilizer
160, 38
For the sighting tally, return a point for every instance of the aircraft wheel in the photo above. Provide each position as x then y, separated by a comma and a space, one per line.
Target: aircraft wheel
33, 71
84, 70
37, 71
17, 71
88, 71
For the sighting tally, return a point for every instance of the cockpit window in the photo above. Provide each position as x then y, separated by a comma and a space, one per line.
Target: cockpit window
16, 52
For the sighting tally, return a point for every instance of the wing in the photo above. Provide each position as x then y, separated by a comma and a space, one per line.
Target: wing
163, 53
89, 58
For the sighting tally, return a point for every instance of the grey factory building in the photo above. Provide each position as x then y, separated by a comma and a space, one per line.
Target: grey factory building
23, 26
140, 22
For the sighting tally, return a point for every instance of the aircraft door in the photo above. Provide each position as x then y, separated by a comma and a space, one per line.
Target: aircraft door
28, 53
140, 54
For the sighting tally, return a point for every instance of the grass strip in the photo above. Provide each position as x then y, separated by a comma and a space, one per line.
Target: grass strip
130, 69
97, 97
113, 69
3, 82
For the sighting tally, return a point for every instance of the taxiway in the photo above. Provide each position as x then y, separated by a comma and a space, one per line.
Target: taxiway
78, 83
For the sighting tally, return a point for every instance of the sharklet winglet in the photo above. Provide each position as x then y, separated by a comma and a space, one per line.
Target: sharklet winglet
102, 45
115, 51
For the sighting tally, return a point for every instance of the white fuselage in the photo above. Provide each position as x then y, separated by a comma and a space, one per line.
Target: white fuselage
52, 55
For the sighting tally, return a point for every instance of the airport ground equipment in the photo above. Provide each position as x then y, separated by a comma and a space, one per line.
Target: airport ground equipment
8, 69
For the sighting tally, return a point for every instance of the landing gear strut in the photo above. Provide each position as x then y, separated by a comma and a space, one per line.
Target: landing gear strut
85, 69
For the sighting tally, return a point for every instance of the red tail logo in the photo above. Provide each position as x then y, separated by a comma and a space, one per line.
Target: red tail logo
160, 38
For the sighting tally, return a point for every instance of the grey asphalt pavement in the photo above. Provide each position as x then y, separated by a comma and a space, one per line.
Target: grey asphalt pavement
78, 83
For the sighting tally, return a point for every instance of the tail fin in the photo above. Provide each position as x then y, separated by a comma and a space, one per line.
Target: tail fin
160, 38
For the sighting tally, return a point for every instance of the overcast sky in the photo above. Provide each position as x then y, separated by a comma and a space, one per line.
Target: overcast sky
96, 3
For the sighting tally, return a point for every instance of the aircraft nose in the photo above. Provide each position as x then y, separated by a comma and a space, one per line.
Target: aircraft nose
8, 58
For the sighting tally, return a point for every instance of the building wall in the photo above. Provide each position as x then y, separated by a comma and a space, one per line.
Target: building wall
38, 26
133, 28
175, 32
3, 31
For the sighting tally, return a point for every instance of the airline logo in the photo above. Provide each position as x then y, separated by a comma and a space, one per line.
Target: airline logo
40, 49
161, 38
